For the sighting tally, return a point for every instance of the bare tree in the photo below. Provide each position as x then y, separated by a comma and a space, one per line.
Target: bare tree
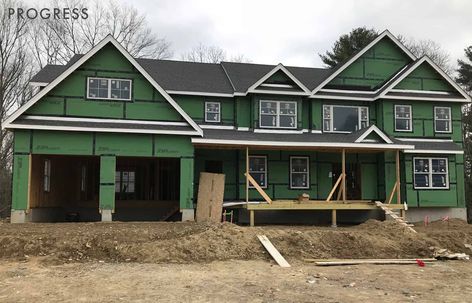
210, 54
56, 41
15, 71
431, 49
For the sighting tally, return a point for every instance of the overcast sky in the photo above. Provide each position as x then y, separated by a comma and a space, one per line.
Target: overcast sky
294, 32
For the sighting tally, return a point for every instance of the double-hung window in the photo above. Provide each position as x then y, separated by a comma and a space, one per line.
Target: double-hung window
442, 119
344, 119
278, 114
258, 170
299, 172
109, 89
125, 182
430, 173
403, 118
212, 112
47, 176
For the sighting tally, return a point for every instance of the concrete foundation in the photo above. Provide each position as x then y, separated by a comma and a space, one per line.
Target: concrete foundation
188, 214
435, 213
18, 216
106, 215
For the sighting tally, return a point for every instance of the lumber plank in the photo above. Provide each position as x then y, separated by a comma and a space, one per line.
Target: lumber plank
210, 197
258, 188
273, 251
361, 260
331, 193
358, 262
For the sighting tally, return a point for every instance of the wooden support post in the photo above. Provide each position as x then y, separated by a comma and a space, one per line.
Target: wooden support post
247, 174
344, 174
403, 214
251, 218
258, 188
390, 198
331, 193
397, 171
333, 218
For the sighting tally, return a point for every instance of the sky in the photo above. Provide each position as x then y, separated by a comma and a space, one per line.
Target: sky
295, 32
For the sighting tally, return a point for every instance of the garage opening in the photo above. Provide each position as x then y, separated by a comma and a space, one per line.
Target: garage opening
64, 188
147, 189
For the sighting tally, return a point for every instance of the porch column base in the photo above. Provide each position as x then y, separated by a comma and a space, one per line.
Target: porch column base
18, 216
106, 215
188, 214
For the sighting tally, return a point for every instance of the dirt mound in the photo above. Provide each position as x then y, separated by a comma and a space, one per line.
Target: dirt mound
193, 242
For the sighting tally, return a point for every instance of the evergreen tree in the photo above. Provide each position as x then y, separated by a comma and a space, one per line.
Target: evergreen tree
347, 45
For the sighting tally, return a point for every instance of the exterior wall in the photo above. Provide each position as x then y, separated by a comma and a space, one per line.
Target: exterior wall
194, 106
424, 77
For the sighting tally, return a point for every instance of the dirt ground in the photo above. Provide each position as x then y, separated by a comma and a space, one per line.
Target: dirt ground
146, 262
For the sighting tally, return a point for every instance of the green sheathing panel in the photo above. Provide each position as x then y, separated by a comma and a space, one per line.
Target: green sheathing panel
194, 106
69, 98
321, 182
22, 141
317, 111
422, 119
107, 182
373, 68
123, 144
186, 183
256, 102
20, 188
243, 111
425, 77
172, 146
62, 143
452, 197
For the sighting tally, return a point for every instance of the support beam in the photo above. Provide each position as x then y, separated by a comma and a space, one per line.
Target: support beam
333, 190
344, 174
397, 171
333, 218
107, 187
392, 193
247, 174
258, 188
21, 187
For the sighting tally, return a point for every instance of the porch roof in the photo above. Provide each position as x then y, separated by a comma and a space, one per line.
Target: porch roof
290, 140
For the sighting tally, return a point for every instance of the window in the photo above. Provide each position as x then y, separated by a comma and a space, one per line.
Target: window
105, 88
124, 182
212, 112
47, 175
258, 170
403, 118
340, 118
299, 172
442, 119
430, 173
278, 114
83, 178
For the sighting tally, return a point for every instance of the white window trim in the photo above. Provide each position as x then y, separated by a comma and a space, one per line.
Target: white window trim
410, 119
219, 112
307, 172
265, 171
331, 119
278, 114
430, 173
449, 120
47, 176
109, 88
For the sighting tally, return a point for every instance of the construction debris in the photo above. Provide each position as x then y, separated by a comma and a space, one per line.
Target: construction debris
446, 254
368, 261
210, 197
273, 251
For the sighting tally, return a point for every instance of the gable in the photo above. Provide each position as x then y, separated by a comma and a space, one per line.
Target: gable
279, 81
372, 69
69, 97
426, 78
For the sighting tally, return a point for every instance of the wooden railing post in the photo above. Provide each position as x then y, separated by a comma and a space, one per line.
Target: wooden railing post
344, 174
397, 163
247, 174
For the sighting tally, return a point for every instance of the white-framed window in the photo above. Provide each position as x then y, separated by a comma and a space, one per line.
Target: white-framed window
403, 118
430, 173
442, 119
277, 114
212, 112
125, 181
109, 89
344, 118
47, 176
299, 172
258, 170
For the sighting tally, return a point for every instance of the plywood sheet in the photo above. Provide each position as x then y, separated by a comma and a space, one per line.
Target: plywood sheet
210, 197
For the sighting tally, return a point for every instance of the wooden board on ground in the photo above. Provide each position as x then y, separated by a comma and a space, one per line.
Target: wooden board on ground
273, 251
211, 189
372, 261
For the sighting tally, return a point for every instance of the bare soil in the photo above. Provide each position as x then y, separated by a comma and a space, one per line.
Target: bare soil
149, 262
